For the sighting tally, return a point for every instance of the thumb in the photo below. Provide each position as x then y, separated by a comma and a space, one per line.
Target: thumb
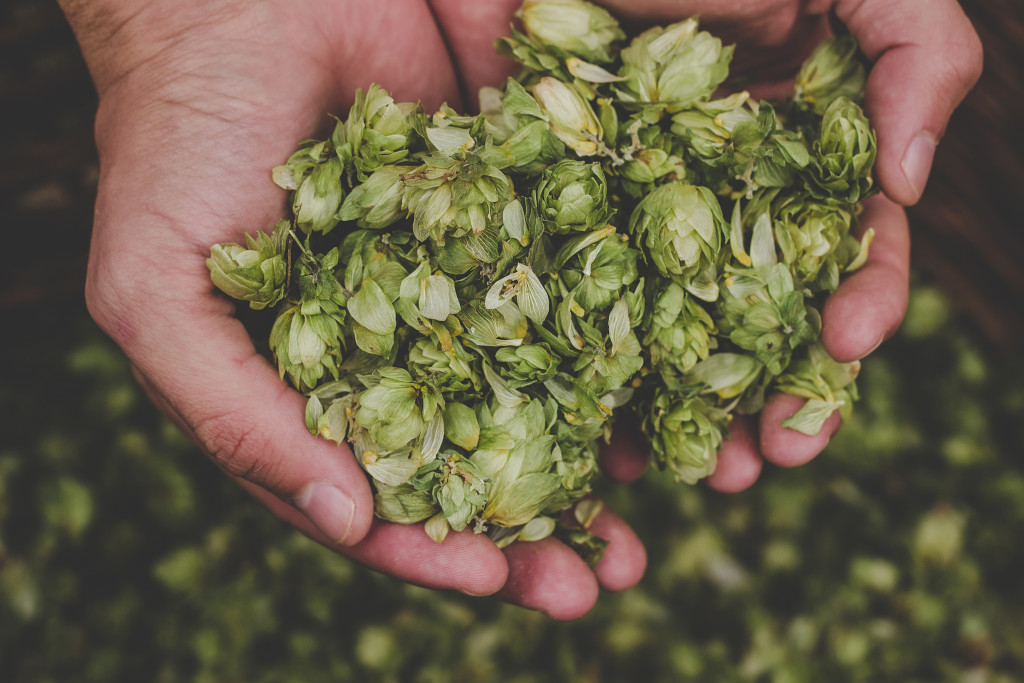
198, 365
926, 57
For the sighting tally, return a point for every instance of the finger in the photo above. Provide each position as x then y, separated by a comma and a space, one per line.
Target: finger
470, 28
624, 560
200, 365
925, 62
868, 306
739, 461
624, 458
549, 577
787, 447
465, 561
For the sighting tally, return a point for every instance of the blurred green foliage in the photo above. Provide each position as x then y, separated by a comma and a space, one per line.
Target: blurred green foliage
125, 556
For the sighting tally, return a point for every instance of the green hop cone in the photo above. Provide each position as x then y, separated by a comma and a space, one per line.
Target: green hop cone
456, 197
520, 461
452, 371
256, 273
460, 490
835, 69
653, 157
570, 116
573, 26
707, 128
572, 195
377, 202
520, 127
686, 433
815, 240
844, 154
376, 132
307, 338
525, 365
673, 67
314, 174
679, 332
307, 344
682, 228
318, 285
827, 384
396, 411
598, 272
763, 313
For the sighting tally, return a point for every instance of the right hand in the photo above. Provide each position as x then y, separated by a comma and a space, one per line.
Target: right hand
924, 61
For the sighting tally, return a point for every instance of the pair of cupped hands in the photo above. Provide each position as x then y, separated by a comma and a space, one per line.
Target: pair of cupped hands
199, 99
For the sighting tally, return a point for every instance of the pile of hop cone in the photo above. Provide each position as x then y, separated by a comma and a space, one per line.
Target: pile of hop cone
470, 302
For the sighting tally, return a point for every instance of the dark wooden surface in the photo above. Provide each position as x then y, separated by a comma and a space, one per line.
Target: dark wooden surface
968, 230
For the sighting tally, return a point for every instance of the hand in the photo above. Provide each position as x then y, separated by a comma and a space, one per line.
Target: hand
924, 63
198, 101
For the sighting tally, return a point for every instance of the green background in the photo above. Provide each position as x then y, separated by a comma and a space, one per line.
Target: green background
895, 556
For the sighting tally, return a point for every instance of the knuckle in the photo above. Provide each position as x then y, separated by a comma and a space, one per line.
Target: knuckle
234, 444
109, 295
974, 59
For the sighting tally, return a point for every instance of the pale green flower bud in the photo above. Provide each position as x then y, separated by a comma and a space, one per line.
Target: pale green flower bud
726, 375
609, 366
391, 411
461, 490
572, 195
526, 365
376, 132
438, 299
675, 66
451, 371
521, 128
835, 69
814, 238
461, 426
455, 197
682, 227
573, 26
317, 282
523, 483
686, 433
597, 274
375, 320
318, 198
844, 154
256, 273
827, 384
570, 116
403, 504
377, 202
307, 346
763, 313
504, 325
679, 330
707, 128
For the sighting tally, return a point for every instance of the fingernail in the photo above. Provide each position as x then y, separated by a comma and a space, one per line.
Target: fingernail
329, 508
917, 161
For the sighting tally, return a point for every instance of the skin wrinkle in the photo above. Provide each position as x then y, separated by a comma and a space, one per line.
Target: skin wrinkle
231, 438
